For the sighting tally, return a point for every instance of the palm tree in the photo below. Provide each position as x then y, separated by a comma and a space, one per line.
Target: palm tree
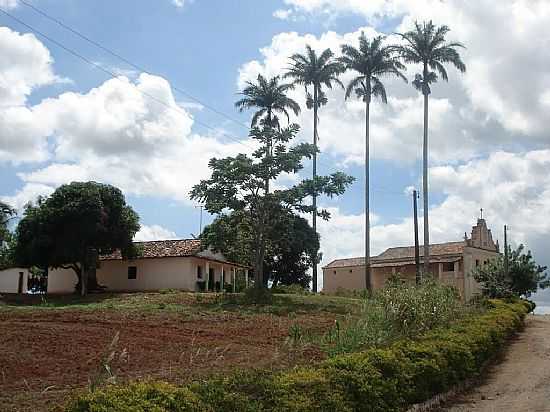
269, 97
371, 61
316, 71
426, 45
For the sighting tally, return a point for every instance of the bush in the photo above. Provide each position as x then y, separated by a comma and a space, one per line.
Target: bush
376, 380
257, 296
293, 289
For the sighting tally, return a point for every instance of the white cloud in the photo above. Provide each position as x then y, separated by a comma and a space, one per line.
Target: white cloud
282, 14
181, 3
130, 134
28, 193
154, 232
9, 4
507, 78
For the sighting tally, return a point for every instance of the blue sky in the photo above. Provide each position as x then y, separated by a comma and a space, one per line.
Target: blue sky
489, 144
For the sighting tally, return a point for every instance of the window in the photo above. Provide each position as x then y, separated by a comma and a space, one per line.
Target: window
351, 270
477, 262
448, 267
335, 272
199, 272
132, 272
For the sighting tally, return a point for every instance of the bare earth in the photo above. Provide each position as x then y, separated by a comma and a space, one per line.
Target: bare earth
521, 381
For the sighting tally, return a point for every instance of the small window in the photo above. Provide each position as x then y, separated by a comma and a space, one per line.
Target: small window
448, 267
132, 272
477, 262
199, 272
351, 270
335, 272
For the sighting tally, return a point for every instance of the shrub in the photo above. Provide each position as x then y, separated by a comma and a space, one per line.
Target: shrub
254, 295
293, 289
375, 380
139, 397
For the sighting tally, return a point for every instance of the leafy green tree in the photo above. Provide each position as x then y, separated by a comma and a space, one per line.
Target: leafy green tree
291, 245
523, 278
72, 226
371, 62
310, 70
237, 184
426, 45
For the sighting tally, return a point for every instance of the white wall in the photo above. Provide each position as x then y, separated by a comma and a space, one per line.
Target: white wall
9, 280
152, 274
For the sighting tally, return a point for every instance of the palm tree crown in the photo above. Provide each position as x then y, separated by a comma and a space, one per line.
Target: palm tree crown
269, 96
426, 45
308, 69
372, 61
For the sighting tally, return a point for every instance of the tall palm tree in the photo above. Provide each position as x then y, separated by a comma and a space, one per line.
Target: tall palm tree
310, 70
426, 45
269, 97
371, 61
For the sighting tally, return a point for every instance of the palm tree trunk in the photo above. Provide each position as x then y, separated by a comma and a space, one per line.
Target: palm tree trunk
367, 196
425, 187
315, 97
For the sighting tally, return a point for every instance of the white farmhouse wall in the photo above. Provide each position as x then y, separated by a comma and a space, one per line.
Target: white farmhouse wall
152, 274
9, 280
61, 280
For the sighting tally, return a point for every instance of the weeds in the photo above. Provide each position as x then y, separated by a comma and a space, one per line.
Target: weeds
105, 373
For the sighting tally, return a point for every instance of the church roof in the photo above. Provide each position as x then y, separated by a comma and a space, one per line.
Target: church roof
439, 252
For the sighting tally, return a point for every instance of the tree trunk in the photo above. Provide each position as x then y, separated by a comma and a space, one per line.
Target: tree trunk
425, 179
315, 98
367, 196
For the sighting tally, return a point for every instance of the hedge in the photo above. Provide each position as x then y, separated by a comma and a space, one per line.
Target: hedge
389, 379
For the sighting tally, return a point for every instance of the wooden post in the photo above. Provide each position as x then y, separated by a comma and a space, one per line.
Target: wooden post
222, 278
234, 280
246, 278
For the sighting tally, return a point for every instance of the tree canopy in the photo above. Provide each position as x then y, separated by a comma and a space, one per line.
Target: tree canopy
291, 245
74, 224
524, 275
238, 184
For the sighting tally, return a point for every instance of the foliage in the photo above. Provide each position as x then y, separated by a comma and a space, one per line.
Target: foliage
270, 98
308, 69
238, 184
382, 380
397, 311
524, 275
426, 45
76, 222
6, 214
371, 61
292, 289
291, 245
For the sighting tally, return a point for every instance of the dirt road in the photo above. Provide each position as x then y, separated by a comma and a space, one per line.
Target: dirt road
521, 381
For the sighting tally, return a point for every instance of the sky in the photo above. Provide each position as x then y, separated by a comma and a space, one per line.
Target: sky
150, 121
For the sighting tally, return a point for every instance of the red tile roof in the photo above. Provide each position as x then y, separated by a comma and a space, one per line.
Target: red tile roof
162, 248
396, 254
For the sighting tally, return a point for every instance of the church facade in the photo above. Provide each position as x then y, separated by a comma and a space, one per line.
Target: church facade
451, 263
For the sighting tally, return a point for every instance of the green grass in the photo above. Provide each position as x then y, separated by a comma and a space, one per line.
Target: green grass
183, 302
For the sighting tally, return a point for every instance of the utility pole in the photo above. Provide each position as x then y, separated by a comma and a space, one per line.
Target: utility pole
416, 247
505, 251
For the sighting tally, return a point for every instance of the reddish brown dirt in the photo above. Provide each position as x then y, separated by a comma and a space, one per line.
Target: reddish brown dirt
45, 353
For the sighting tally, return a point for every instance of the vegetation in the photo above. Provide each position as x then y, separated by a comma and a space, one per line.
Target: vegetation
316, 71
389, 379
291, 245
69, 229
399, 310
238, 184
371, 62
6, 214
426, 45
521, 276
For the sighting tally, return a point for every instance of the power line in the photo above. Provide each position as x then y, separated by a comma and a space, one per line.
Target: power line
114, 76
142, 69
127, 61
